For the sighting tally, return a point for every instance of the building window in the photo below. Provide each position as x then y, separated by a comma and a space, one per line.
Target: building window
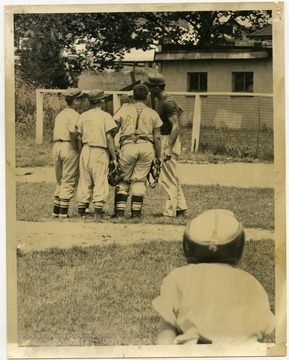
243, 81
198, 81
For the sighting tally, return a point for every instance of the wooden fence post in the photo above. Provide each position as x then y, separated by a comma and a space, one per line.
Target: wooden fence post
116, 102
196, 125
39, 117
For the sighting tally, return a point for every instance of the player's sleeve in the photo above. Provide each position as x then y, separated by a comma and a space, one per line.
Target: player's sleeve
109, 123
79, 126
158, 122
170, 108
118, 115
166, 304
72, 122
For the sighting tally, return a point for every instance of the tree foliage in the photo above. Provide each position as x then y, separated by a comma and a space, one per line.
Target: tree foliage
108, 36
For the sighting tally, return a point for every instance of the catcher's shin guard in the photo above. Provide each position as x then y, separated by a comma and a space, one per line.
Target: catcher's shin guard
120, 204
136, 205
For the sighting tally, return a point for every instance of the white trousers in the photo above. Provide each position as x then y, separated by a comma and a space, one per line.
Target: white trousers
135, 161
93, 172
169, 179
65, 160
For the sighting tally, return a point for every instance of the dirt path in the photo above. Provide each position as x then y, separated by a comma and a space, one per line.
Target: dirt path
42, 235
39, 236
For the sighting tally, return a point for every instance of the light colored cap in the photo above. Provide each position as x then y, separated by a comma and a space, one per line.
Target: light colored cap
214, 227
96, 94
73, 93
156, 79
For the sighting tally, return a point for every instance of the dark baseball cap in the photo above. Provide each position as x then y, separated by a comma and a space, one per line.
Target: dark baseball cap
156, 79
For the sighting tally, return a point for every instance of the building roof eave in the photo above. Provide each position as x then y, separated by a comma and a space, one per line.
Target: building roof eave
167, 56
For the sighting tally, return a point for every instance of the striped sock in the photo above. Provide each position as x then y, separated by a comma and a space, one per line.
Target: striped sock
81, 208
136, 205
120, 204
64, 205
56, 206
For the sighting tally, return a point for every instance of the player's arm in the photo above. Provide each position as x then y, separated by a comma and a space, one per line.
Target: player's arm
174, 120
171, 112
72, 128
79, 142
110, 145
73, 138
116, 130
167, 333
157, 142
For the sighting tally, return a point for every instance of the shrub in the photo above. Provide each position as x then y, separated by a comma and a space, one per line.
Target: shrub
52, 104
25, 108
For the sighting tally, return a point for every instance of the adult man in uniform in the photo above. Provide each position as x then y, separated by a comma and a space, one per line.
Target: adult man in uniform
169, 112
96, 144
139, 146
65, 151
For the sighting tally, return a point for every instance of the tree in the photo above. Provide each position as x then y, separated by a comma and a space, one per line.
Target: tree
108, 36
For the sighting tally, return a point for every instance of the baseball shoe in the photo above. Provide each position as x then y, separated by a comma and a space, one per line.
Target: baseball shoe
118, 214
182, 213
135, 214
98, 214
64, 218
169, 215
86, 215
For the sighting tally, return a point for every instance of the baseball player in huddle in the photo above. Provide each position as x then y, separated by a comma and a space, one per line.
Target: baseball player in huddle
96, 143
139, 145
169, 112
210, 300
65, 152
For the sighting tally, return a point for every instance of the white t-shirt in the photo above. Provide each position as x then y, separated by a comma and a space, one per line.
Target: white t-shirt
215, 301
93, 125
65, 122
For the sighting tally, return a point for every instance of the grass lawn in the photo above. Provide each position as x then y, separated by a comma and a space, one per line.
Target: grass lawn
254, 207
102, 295
216, 145
29, 154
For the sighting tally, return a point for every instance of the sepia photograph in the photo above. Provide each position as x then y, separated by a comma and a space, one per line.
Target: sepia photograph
145, 180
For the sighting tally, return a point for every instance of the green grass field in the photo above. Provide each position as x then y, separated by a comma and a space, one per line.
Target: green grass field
102, 295
254, 207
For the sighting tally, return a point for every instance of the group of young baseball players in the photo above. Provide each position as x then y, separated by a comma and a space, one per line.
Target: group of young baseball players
207, 301
85, 145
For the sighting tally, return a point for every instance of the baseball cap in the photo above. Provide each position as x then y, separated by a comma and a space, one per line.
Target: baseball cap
156, 79
73, 93
217, 226
96, 94
214, 236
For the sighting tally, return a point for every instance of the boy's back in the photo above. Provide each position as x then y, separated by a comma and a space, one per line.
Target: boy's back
209, 300
214, 301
